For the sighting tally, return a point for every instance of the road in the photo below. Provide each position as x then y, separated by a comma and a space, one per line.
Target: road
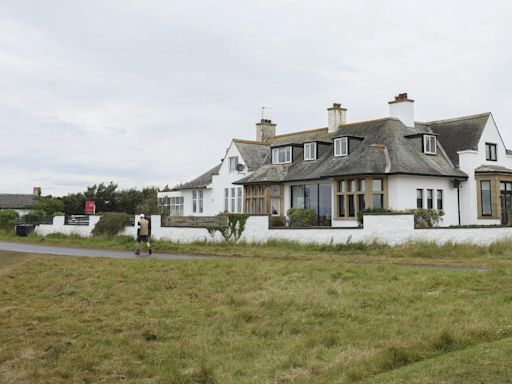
87, 252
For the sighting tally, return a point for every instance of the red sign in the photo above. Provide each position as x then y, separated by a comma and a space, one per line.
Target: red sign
90, 207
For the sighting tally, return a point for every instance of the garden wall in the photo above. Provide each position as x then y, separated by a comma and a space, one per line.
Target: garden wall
58, 226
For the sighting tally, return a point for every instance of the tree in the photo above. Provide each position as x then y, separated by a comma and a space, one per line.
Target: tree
105, 197
74, 204
49, 205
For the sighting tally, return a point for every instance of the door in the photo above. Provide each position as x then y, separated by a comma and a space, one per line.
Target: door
506, 201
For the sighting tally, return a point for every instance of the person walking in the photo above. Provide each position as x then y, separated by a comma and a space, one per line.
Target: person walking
143, 234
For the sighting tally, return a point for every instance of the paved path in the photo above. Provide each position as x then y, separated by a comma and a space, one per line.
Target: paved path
87, 252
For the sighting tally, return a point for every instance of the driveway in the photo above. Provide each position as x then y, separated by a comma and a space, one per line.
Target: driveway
87, 252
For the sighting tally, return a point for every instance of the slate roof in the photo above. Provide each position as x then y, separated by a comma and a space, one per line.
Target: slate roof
16, 201
385, 149
459, 134
253, 152
492, 169
200, 182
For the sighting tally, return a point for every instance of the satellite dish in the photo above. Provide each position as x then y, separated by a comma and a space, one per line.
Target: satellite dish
240, 167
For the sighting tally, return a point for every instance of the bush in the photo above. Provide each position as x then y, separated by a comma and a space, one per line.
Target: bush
8, 219
301, 218
427, 218
111, 223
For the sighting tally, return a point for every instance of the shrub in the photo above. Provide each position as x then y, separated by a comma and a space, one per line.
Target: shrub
111, 223
301, 218
427, 218
8, 219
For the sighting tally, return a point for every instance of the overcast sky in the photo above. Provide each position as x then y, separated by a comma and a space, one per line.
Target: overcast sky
151, 92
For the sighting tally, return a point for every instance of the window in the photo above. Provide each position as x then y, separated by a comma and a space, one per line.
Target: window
200, 201
429, 144
490, 152
341, 205
430, 197
419, 198
485, 197
317, 197
361, 188
505, 186
239, 199
341, 146
255, 199
194, 201
176, 206
440, 199
282, 155
226, 199
276, 206
233, 197
233, 162
378, 193
310, 151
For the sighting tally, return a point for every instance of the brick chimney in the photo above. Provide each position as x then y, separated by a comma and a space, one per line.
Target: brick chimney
403, 109
265, 129
36, 191
336, 115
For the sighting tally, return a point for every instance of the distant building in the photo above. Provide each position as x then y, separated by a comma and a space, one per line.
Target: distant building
21, 203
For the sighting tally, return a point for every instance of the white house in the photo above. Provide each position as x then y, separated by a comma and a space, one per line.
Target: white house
460, 166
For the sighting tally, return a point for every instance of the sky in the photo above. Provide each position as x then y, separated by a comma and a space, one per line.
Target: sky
150, 93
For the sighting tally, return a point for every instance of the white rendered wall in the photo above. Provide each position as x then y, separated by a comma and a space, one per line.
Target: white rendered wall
404, 111
469, 161
402, 194
58, 226
389, 229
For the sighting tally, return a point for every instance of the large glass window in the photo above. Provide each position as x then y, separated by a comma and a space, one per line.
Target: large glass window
485, 197
310, 151
490, 152
341, 146
316, 197
282, 155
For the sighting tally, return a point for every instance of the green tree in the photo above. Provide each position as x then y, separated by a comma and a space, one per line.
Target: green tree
49, 205
8, 219
105, 196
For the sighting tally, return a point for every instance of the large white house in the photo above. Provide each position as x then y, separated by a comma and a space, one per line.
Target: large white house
460, 166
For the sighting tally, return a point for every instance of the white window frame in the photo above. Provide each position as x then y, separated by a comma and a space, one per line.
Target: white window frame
239, 199
233, 162
226, 199
310, 151
200, 201
194, 201
339, 142
233, 199
276, 152
428, 142
176, 205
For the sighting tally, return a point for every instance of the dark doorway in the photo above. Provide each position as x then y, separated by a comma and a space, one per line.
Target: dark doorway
506, 201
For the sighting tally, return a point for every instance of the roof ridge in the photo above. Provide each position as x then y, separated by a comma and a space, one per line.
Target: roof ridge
367, 121
242, 141
299, 132
453, 119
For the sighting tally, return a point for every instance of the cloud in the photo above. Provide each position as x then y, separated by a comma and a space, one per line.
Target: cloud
147, 93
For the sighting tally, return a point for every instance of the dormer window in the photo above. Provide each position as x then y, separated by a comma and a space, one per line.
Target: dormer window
429, 144
310, 151
341, 146
282, 155
490, 152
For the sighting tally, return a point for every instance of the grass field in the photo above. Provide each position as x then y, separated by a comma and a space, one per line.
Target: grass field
377, 317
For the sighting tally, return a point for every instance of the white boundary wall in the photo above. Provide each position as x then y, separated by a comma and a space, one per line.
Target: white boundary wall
58, 226
389, 229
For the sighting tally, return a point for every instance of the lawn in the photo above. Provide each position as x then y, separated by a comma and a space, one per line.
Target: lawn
253, 320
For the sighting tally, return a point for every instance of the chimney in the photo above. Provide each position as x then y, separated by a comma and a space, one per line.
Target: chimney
336, 116
403, 109
265, 130
36, 191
